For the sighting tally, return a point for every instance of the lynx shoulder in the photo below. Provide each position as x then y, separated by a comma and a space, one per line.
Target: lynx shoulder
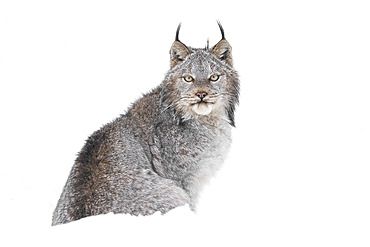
159, 154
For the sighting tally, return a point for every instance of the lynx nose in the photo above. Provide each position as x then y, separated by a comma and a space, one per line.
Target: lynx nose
201, 94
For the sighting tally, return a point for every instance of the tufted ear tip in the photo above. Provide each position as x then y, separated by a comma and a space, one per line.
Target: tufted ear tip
222, 49
178, 50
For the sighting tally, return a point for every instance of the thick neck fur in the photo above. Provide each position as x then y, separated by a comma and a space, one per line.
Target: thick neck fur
190, 151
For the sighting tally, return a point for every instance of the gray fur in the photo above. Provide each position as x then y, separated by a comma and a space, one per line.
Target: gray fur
160, 153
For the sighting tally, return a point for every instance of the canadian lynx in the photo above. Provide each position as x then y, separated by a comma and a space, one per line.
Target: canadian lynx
158, 154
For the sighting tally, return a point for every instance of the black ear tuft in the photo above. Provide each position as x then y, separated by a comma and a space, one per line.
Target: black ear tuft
221, 29
222, 49
178, 50
177, 33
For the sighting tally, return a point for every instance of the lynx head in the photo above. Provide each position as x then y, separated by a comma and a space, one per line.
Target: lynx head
201, 82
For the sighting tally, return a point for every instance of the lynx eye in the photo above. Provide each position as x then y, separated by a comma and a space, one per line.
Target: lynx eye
214, 78
188, 78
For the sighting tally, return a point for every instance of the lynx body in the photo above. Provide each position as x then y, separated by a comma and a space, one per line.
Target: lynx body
160, 153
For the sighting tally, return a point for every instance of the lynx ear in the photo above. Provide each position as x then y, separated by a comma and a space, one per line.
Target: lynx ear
178, 50
222, 49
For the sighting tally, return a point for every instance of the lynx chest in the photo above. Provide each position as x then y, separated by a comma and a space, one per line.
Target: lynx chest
192, 152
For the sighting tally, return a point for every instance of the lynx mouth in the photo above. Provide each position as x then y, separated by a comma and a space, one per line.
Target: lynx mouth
201, 102
202, 107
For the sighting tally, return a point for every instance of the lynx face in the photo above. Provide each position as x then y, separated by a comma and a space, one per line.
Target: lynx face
201, 81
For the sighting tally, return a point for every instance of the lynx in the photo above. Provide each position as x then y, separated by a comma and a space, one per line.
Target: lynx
160, 153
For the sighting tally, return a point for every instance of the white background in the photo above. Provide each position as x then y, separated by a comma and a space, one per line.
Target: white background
298, 171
